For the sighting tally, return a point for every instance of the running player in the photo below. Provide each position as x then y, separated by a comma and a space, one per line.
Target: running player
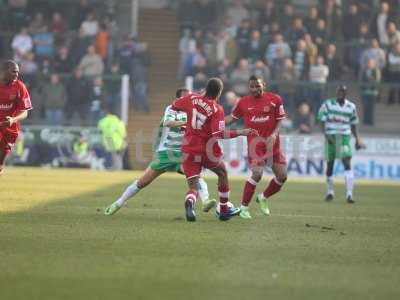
200, 147
167, 153
264, 112
339, 120
14, 105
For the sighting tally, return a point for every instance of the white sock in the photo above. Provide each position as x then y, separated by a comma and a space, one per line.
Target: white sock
203, 190
130, 191
329, 185
348, 176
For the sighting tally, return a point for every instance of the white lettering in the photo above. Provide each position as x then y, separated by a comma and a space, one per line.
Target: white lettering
259, 119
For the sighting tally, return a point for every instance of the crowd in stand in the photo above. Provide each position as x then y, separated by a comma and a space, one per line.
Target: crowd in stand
297, 49
72, 55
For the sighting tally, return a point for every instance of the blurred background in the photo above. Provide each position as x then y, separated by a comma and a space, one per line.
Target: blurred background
90, 62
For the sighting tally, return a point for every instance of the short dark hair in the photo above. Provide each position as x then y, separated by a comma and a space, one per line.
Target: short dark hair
6, 64
214, 87
180, 91
255, 78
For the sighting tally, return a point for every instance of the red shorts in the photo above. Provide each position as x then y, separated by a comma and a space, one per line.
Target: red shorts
193, 164
262, 156
7, 140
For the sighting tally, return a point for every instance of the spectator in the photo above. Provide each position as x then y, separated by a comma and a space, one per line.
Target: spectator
261, 70
78, 96
332, 15
91, 64
312, 19
301, 60
79, 47
243, 38
374, 52
296, 31
54, 98
125, 54
229, 27
255, 48
288, 16
354, 51
303, 119
370, 79
113, 87
240, 77
312, 49
37, 23
58, 27
17, 12
140, 65
319, 73
29, 68
393, 73
333, 63
279, 43
44, 43
226, 47
224, 70
393, 34
237, 12
351, 22
90, 26
229, 102
205, 15
321, 35
286, 86
62, 61
268, 15
101, 42
97, 99
113, 34
21, 44
380, 24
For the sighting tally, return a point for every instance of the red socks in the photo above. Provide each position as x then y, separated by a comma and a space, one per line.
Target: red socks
191, 196
273, 187
223, 197
248, 192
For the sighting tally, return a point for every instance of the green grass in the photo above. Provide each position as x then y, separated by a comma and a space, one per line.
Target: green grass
55, 243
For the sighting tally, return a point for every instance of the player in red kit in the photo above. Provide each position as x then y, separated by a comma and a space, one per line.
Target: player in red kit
205, 125
264, 112
14, 105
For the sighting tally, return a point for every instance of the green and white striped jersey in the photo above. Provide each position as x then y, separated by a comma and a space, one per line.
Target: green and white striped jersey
170, 139
338, 119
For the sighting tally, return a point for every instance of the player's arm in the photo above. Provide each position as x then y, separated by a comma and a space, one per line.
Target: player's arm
280, 115
219, 131
12, 120
322, 117
235, 115
170, 119
354, 130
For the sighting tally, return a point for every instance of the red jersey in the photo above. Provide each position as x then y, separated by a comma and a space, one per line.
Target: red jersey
261, 114
205, 117
14, 98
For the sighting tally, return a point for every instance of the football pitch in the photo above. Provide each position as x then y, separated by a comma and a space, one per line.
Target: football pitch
55, 242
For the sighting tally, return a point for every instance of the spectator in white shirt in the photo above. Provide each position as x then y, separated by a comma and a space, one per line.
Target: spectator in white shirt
21, 44
271, 53
374, 52
237, 12
319, 73
90, 25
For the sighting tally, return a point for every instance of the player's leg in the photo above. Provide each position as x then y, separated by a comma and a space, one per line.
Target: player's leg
148, 177
225, 212
204, 195
349, 179
191, 197
5, 150
257, 169
330, 153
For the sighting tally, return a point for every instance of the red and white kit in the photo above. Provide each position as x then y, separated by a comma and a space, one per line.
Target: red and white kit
262, 114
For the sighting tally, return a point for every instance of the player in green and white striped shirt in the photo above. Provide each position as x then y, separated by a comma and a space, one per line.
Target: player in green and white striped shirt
167, 157
339, 120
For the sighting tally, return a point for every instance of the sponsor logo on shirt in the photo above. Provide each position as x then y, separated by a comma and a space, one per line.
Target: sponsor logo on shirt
255, 119
6, 106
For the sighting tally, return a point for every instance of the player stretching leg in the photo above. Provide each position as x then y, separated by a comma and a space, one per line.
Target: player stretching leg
167, 158
14, 105
200, 147
338, 117
264, 112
